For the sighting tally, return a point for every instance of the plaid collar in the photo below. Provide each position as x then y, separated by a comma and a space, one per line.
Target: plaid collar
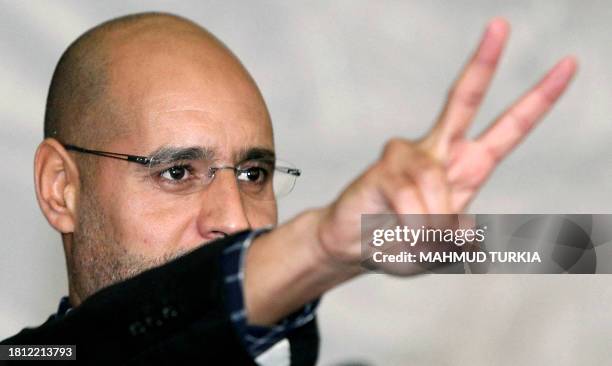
64, 307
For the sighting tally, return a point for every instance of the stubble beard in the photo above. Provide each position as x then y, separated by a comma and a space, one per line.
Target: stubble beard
98, 259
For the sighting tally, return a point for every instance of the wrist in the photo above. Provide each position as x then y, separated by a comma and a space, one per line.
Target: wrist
336, 264
287, 268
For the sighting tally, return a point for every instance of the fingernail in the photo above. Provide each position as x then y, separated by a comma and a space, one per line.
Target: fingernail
492, 41
557, 79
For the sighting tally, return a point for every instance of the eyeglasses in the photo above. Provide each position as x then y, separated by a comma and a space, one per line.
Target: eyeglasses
260, 178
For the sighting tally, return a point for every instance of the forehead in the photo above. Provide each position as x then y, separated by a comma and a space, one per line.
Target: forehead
187, 96
225, 127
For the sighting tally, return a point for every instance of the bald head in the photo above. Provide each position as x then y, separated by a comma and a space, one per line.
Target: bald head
83, 106
139, 85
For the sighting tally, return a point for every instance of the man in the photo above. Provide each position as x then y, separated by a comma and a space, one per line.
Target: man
163, 95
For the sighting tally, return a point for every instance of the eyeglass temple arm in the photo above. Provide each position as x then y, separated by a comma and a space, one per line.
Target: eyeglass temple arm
292, 171
133, 158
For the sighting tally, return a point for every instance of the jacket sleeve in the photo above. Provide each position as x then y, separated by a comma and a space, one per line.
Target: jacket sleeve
169, 314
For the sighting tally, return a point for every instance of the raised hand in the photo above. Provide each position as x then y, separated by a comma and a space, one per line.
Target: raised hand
470, 162
442, 172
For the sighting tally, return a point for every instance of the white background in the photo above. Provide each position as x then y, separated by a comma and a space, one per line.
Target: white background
340, 78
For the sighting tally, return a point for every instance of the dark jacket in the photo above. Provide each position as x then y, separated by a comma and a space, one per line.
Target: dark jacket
173, 314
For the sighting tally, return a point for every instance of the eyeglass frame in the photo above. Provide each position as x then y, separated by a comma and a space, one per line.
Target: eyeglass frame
144, 160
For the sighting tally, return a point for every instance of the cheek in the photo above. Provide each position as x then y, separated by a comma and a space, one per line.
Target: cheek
150, 226
261, 213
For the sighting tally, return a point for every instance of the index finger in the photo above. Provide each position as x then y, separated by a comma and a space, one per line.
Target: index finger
468, 91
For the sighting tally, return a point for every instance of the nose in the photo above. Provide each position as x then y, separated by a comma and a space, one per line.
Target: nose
222, 210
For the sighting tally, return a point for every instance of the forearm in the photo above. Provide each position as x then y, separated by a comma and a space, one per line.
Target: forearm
286, 268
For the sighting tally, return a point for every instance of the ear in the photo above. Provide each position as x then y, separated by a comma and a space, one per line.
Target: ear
56, 177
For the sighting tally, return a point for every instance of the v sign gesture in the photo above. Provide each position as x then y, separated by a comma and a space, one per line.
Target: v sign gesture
442, 172
470, 162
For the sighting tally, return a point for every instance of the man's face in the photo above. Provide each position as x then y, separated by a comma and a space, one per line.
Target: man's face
184, 97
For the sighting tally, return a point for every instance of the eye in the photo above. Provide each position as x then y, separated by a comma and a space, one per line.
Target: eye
176, 173
253, 175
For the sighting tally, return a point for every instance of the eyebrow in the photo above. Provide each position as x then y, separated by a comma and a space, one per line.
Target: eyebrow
172, 154
256, 153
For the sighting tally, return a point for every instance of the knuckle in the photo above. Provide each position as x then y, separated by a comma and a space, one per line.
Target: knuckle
381, 171
469, 98
394, 146
379, 168
522, 123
